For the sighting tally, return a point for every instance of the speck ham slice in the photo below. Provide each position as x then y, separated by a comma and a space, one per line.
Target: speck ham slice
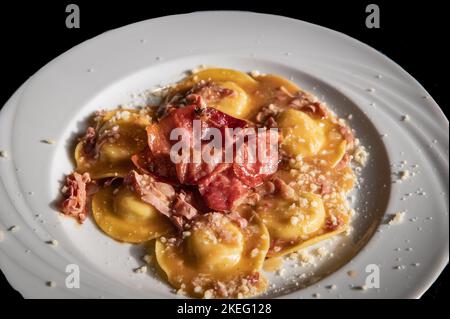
223, 190
347, 134
157, 159
254, 172
75, 193
222, 185
159, 195
179, 206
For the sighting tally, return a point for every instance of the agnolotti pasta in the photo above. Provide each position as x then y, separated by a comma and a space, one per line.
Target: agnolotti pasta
214, 225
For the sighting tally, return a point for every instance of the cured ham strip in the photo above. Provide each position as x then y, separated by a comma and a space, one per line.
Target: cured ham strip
302, 101
201, 94
346, 132
254, 173
89, 142
223, 191
159, 195
157, 160
343, 162
182, 205
222, 185
178, 207
158, 167
75, 192
238, 219
315, 108
92, 141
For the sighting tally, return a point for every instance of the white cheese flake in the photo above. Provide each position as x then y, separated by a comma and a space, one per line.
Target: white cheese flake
141, 270
208, 294
147, 258
14, 228
254, 252
186, 234
198, 289
281, 272
362, 288
53, 242
404, 175
397, 219
332, 287
321, 252
361, 156
48, 141
255, 73
294, 220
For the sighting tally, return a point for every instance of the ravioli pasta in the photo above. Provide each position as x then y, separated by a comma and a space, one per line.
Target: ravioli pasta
123, 216
215, 226
216, 255
120, 134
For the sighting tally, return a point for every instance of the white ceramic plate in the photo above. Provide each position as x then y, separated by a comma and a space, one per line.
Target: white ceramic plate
107, 70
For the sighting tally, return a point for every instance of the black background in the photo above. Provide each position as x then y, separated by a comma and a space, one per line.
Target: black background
411, 34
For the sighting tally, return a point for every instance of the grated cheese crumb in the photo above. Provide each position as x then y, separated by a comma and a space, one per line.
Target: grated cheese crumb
14, 228
198, 289
254, 252
405, 118
208, 294
141, 270
48, 141
332, 287
361, 155
3, 154
362, 288
293, 255
294, 220
186, 234
305, 257
281, 272
404, 175
321, 252
397, 219
53, 242
147, 258
255, 73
